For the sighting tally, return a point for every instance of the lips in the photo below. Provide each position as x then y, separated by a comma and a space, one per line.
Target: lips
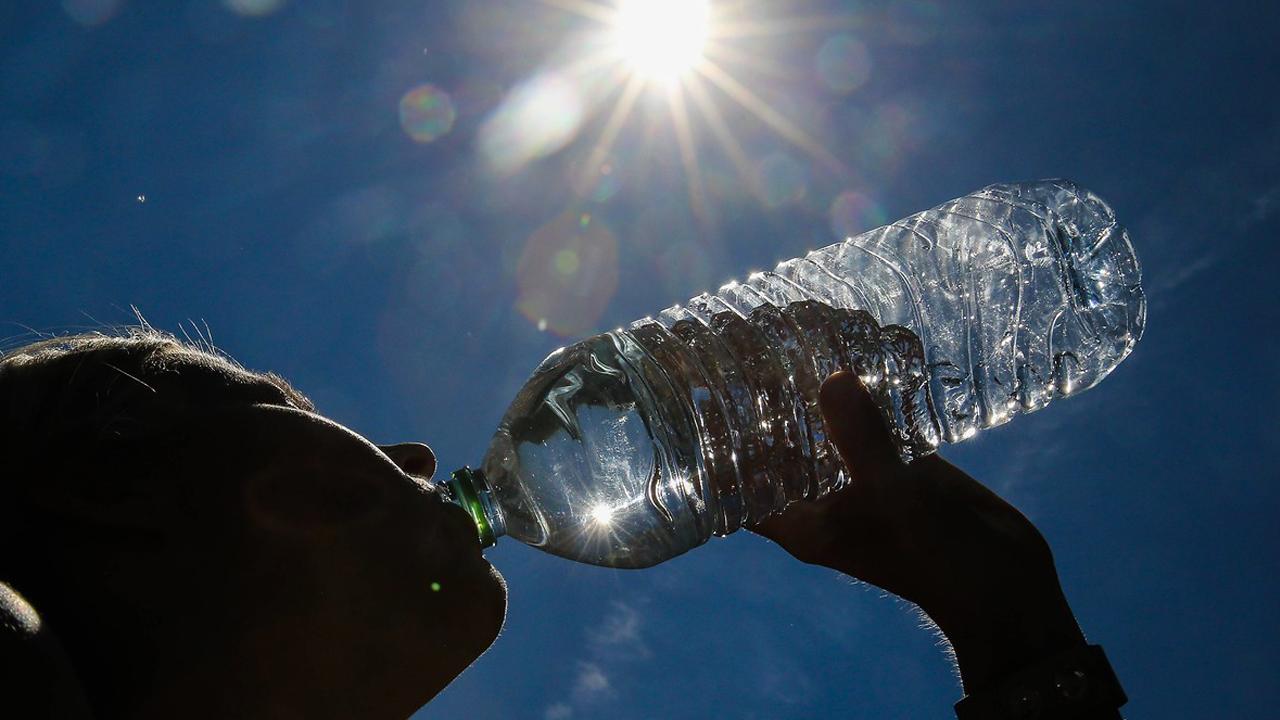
461, 520
455, 535
449, 531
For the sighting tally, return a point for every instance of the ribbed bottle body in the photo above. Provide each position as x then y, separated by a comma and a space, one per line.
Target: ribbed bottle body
744, 386
636, 445
956, 318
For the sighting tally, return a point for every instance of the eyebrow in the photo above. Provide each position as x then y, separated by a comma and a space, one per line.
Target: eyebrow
272, 389
297, 399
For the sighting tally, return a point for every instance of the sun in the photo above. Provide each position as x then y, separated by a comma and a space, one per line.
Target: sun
702, 59
662, 40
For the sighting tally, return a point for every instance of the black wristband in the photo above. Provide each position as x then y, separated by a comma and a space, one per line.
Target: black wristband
1078, 684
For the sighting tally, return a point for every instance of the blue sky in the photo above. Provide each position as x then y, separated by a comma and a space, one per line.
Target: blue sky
362, 197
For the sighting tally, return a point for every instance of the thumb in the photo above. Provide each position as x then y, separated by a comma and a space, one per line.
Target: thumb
856, 426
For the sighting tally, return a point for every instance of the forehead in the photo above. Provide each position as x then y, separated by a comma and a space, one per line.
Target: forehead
217, 381
302, 437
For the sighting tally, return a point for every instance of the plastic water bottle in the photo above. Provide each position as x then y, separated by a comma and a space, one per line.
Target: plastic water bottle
634, 446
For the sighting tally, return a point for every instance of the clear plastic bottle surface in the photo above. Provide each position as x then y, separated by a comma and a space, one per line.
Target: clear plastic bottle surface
634, 446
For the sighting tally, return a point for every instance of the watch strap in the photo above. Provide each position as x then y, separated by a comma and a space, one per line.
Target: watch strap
1078, 684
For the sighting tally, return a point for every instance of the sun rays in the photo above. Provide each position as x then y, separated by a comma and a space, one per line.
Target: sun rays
686, 53
685, 107
697, 38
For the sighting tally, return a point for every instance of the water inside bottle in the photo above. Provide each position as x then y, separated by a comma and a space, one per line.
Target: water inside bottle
637, 445
583, 464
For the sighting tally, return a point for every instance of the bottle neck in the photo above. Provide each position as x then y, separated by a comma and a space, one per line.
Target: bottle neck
470, 490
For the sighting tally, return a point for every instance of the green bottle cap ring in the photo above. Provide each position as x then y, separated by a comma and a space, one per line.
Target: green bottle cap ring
470, 492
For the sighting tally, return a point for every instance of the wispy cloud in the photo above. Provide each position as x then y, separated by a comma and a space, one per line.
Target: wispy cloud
591, 683
1207, 215
616, 640
1181, 274
558, 711
781, 679
1182, 251
1265, 205
617, 637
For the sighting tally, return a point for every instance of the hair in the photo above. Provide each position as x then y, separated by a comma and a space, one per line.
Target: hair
94, 409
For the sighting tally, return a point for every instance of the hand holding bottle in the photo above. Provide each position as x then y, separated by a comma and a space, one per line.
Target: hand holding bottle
931, 534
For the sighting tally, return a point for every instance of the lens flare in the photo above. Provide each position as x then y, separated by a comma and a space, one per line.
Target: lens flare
91, 12
662, 39
426, 113
253, 8
853, 212
567, 274
537, 118
843, 64
694, 57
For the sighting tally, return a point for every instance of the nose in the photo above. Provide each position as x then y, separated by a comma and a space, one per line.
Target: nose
413, 458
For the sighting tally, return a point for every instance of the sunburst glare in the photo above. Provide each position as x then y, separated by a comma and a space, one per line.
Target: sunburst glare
602, 515
661, 40
698, 57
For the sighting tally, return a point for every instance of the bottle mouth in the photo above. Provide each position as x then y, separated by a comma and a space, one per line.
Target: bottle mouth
469, 490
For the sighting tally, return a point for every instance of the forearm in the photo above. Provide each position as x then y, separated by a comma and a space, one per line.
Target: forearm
929, 533
1015, 640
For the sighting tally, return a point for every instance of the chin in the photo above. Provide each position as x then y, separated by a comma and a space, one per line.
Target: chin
474, 626
496, 597
470, 626
479, 614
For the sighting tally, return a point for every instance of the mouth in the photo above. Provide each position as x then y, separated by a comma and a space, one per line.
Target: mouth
428, 486
458, 531
452, 531
462, 524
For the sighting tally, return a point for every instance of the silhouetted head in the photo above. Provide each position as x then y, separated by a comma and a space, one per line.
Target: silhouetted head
202, 543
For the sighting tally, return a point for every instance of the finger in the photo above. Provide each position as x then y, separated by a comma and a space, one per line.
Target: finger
782, 527
856, 426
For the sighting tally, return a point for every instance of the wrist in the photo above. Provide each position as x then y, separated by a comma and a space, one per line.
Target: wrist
1008, 634
1073, 684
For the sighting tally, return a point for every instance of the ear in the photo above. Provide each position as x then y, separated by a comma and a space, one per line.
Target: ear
37, 678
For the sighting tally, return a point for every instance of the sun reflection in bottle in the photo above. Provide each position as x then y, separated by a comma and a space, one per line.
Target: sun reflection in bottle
602, 515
